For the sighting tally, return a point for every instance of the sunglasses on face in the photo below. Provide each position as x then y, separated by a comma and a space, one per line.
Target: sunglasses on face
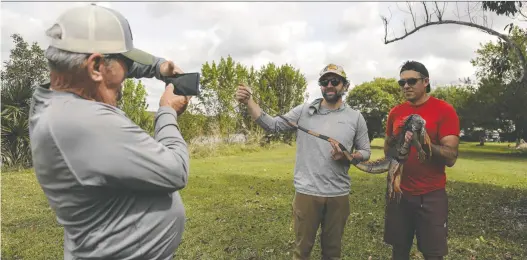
410, 81
128, 62
334, 82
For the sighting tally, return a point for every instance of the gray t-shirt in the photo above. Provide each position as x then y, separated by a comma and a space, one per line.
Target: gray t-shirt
316, 173
112, 186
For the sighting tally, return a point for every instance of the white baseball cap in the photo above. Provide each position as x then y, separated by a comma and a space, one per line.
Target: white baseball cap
96, 29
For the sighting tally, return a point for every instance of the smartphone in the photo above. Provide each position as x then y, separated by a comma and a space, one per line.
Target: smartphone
186, 84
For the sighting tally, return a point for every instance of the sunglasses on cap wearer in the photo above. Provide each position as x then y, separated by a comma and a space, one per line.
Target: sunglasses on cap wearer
410, 81
128, 62
324, 82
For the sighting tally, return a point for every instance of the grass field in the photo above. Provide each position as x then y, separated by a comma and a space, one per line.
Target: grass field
239, 207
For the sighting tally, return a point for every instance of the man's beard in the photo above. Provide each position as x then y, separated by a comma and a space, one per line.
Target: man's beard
333, 98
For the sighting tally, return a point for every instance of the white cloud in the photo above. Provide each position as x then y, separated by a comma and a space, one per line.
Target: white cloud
27, 26
358, 16
306, 35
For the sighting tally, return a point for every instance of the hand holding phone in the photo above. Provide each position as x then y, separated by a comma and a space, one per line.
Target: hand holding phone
178, 103
185, 84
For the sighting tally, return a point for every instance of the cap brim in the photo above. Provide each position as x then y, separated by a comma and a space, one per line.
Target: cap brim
140, 56
329, 72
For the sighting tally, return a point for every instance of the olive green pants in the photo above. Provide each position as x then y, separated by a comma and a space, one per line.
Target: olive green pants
310, 212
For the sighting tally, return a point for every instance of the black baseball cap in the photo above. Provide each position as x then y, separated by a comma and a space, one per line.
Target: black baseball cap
416, 66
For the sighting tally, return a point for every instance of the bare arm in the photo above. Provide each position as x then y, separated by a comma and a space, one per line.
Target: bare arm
254, 109
447, 151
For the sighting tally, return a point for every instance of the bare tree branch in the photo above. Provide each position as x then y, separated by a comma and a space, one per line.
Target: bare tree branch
426, 13
444, 7
412, 13
385, 22
468, 12
457, 10
439, 13
472, 24
404, 11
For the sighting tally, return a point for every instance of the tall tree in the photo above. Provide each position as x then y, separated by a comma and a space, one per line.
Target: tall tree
375, 99
496, 60
25, 68
219, 83
279, 88
25, 62
498, 68
458, 97
134, 104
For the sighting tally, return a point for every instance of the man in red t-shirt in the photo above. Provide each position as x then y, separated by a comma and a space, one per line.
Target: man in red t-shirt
423, 208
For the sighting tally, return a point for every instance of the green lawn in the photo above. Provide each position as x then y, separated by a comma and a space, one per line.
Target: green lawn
239, 207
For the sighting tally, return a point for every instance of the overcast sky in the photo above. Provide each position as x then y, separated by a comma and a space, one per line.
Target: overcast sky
306, 35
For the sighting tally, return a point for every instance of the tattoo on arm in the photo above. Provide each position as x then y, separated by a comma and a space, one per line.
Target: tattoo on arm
447, 151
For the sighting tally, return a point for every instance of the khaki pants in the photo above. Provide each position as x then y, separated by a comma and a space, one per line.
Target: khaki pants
330, 213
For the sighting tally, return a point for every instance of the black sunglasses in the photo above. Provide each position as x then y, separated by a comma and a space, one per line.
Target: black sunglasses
324, 82
128, 62
410, 81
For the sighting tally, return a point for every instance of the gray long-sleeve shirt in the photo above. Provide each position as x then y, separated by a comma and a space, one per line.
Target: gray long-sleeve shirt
316, 173
112, 186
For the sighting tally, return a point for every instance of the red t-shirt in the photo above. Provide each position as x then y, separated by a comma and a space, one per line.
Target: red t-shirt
441, 120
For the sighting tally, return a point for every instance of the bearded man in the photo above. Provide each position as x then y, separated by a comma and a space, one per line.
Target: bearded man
321, 177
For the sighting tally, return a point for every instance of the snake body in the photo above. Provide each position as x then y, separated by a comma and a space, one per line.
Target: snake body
393, 162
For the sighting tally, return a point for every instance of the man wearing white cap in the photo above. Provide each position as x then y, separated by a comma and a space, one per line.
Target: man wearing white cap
113, 187
321, 178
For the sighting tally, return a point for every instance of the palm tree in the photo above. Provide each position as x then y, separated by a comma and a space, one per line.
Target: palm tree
26, 67
16, 150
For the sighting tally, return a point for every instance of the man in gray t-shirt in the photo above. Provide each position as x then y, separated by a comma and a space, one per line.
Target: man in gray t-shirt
321, 177
112, 186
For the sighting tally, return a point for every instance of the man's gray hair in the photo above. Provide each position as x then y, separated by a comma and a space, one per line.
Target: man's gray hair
61, 60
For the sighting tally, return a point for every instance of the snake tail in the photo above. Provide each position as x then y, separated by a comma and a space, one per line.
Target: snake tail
397, 180
391, 180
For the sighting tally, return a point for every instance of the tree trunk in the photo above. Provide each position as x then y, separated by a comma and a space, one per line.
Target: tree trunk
521, 128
